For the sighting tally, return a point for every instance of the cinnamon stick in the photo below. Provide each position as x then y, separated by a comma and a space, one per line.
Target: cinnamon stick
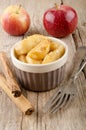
21, 102
13, 85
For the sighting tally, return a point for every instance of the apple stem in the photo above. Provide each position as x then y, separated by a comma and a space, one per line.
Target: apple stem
56, 5
61, 2
17, 12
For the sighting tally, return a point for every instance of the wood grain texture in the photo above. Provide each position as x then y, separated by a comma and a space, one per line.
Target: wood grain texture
72, 118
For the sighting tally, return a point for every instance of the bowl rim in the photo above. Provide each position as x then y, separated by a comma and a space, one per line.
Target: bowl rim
26, 67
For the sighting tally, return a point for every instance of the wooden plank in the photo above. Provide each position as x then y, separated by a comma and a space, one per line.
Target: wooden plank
10, 116
72, 118
31, 121
80, 8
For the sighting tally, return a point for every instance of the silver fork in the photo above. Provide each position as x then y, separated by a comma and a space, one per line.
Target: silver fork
67, 89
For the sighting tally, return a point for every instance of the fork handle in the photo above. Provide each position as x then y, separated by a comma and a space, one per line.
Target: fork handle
79, 56
80, 70
84, 71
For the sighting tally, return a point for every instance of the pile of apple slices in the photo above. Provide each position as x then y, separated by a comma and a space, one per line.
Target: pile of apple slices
38, 49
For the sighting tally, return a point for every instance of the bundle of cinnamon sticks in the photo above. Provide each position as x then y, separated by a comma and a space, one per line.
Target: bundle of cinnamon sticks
10, 86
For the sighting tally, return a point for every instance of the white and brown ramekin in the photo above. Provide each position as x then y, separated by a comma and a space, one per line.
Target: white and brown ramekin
39, 77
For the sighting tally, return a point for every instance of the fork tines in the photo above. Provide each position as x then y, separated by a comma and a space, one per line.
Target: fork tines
59, 99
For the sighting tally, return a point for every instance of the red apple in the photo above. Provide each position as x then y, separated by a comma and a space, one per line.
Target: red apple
60, 21
15, 20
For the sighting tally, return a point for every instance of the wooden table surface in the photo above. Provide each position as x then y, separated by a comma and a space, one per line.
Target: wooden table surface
74, 117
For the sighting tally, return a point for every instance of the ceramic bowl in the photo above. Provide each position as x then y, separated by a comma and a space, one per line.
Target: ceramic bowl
39, 77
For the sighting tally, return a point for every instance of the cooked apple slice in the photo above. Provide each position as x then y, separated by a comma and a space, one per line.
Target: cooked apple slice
24, 46
22, 58
38, 37
54, 55
53, 45
40, 51
32, 61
